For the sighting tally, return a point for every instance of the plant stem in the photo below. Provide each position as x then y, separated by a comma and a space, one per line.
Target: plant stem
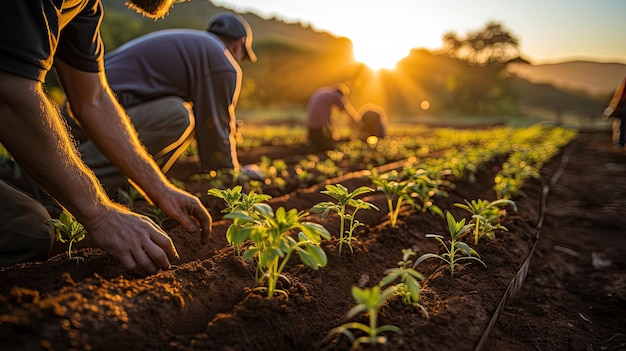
69, 249
396, 212
373, 321
476, 234
272, 278
342, 226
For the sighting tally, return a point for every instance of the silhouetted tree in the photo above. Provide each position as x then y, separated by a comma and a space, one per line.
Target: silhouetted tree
482, 86
491, 44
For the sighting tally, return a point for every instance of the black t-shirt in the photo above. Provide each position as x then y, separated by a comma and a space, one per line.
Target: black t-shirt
35, 32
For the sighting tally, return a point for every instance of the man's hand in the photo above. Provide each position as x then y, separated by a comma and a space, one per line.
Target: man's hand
135, 240
108, 126
187, 210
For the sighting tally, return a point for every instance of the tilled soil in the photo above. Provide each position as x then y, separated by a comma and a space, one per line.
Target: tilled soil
567, 240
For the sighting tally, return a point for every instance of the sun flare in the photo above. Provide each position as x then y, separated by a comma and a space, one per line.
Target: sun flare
378, 56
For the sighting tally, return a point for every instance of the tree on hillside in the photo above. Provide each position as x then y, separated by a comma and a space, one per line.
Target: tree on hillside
482, 87
491, 44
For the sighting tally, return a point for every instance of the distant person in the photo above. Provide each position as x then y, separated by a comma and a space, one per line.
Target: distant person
178, 85
617, 110
35, 36
325, 104
373, 122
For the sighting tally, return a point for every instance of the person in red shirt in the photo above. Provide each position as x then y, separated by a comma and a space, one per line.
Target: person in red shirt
36, 35
325, 104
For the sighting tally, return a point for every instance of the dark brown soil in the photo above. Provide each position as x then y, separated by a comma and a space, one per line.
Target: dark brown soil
568, 239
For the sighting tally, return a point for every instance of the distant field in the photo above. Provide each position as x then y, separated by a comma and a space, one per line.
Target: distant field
530, 117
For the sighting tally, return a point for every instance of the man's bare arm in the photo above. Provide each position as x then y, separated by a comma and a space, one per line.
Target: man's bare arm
35, 136
108, 126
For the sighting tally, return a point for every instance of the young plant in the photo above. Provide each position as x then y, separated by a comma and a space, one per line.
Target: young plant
129, 197
409, 286
454, 252
274, 171
344, 200
486, 216
272, 243
238, 201
250, 203
369, 300
425, 187
397, 192
157, 215
68, 229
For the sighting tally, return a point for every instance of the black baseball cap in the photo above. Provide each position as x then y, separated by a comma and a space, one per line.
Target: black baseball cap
234, 26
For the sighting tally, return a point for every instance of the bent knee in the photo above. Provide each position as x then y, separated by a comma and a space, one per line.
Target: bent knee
26, 232
26, 237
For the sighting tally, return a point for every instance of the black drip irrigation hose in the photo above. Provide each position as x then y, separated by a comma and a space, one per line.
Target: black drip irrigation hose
516, 283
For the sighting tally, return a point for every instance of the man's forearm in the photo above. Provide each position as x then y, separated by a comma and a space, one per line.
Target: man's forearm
110, 129
108, 126
35, 137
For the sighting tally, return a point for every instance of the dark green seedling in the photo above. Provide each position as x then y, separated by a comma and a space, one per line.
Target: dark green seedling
455, 250
397, 191
236, 201
409, 286
369, 300
486, 216
345, 200
129, 197
272, 243
157, 215
69, 230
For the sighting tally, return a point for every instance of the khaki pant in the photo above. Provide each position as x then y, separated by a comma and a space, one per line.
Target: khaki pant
164, 127
26, 234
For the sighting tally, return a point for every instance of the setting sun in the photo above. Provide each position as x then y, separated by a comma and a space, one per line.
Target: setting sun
376, 55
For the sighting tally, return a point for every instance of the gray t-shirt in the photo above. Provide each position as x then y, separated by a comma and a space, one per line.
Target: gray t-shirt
191, 64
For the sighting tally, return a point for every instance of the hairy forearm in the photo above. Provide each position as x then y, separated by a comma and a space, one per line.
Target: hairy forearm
34, 135
108, 126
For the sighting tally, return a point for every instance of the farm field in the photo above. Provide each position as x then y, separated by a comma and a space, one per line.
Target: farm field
554, 273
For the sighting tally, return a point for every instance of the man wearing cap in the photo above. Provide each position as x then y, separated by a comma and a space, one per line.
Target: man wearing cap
175, 85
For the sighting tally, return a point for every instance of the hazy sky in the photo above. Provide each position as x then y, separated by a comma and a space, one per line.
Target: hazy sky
548, 30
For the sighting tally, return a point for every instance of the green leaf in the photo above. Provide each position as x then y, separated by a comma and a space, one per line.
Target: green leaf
392, 275
314, 231
239, 215
361, 190
236, 234
313, 256
324, 208
250, 252
427, 256
466, 249
264, 209
414, 289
